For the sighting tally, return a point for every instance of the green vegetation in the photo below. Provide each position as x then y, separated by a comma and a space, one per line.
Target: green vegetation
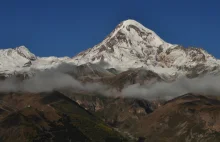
87, 123
73, 123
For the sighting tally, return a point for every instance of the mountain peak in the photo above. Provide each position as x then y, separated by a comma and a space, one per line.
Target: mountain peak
132, 22
22, 48
129, 41
135, 31
25, 52
131, 45
15, 59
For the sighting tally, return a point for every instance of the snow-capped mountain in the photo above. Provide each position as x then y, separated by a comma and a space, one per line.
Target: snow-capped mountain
15, 59
124, 47
20, 59
130, 45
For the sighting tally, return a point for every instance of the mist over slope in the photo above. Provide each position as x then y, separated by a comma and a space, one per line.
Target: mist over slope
47, 81
207, 85
58, 78
133, 82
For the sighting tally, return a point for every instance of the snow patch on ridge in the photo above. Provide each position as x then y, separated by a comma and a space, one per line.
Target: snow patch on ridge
130, 45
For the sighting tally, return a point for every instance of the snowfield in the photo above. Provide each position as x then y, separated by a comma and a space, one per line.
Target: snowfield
129, 45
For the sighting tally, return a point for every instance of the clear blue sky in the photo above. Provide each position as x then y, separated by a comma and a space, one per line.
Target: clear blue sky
66, 27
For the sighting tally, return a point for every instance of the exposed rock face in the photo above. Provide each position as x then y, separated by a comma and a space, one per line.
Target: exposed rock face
131, 54
186, 118
12, 60
131, 45
50, 117
23, 51
28, 64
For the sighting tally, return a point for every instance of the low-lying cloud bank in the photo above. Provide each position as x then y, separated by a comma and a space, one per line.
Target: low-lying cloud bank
209, 85
50, 80
57, 78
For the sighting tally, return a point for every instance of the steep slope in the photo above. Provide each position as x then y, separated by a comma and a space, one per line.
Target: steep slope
15, 59
92, 70
47, 117
129, 77
127, 43
190, 117
131, 45
186, 118
21, 60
